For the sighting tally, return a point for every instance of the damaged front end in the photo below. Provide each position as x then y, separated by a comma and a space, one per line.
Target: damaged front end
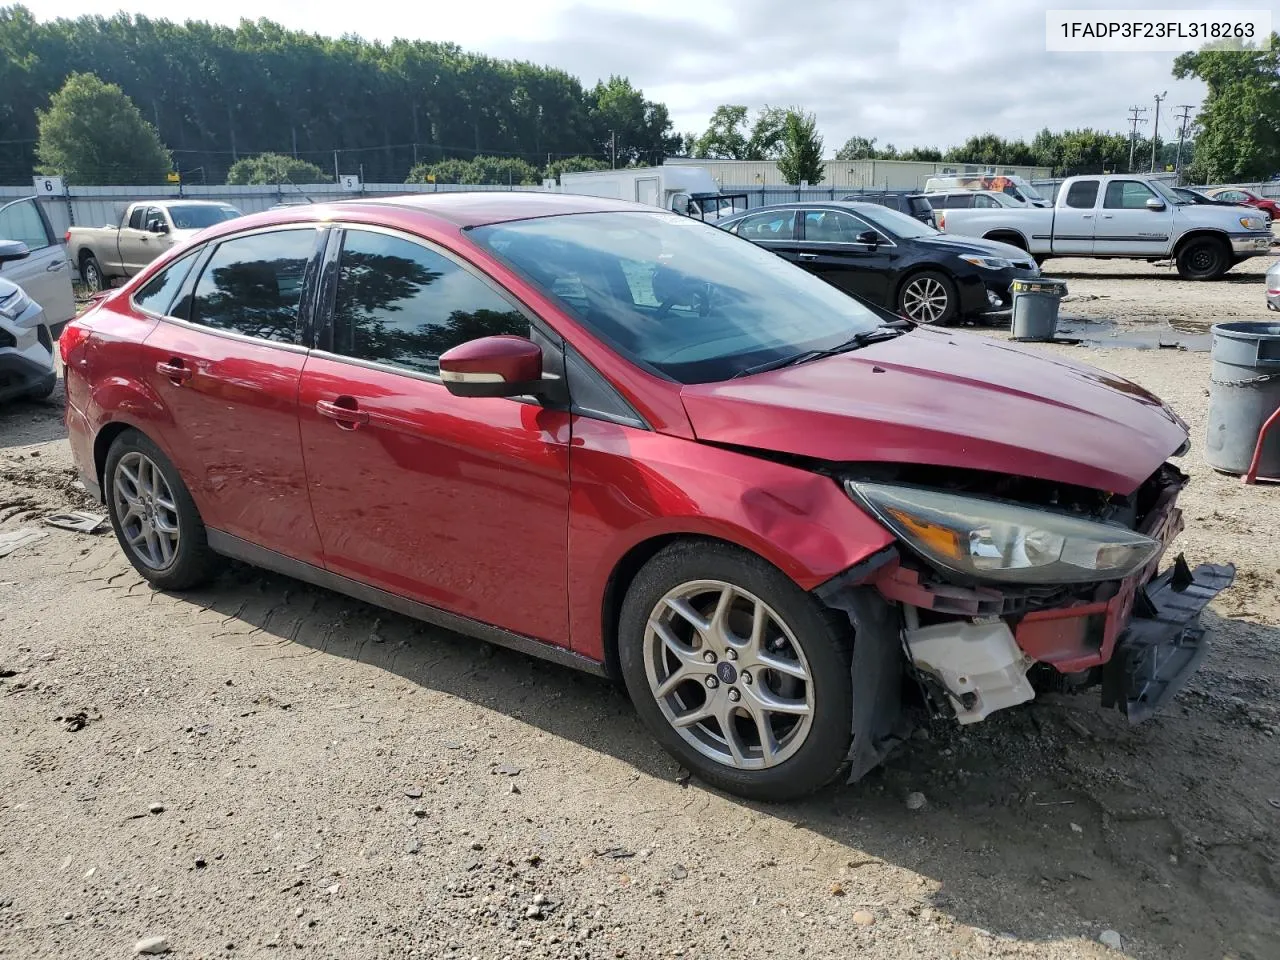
1039, 587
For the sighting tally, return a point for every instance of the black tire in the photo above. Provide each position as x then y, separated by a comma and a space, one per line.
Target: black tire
824, 637
1039, 259
91, 273
1204, 258
911, 297
44, 389
192, 562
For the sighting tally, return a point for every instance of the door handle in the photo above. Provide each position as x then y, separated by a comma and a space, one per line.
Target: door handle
1086, 216
174, 370
808, 256
1108, 216
56, 265
344, 411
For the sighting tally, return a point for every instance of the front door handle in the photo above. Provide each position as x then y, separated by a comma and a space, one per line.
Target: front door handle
1108, 216
808, 256
174, 370
56, 265
344, 411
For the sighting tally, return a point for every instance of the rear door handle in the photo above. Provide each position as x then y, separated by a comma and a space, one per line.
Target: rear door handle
344, 410
174, 370
808, 256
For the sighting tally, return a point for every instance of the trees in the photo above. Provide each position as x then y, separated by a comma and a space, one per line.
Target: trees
275, 168
508, 170
574, 165
858, 148
801, 157
628, 127
1239, 123
726, 136
92, 134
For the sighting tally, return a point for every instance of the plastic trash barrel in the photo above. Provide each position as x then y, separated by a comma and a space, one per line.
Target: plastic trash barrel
1035, 307
1244, 390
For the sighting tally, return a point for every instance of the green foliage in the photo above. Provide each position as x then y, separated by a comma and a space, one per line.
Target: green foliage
801, 157
217, 93
1239, 123
726, 136
508, 170
575, 165
92, 134
858, 148
275, 168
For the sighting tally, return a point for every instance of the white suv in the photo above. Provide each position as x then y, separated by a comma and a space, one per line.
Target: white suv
26, 343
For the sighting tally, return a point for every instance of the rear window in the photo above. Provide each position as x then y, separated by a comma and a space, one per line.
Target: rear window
1083, 194
921, 205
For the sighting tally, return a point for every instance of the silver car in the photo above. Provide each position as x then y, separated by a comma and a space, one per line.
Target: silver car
26, 343
1273, 287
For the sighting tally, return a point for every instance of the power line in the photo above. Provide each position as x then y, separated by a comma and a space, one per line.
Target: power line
1134, 120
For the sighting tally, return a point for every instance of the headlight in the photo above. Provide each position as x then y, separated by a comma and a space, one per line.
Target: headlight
14, 305
987, 263
990, 540
1253, 223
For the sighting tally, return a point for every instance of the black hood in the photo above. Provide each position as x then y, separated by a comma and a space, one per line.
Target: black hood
952, 243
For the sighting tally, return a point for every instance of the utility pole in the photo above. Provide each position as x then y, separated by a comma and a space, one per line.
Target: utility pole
1182, 133
613, 150
337, 174
1155, 129
1134, 120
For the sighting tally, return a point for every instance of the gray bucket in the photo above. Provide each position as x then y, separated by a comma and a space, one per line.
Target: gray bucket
1244, 390
1035, 307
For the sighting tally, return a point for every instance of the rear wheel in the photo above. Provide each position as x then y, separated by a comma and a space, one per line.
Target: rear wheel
1204, 258
153, 515
928, 297
91, 273
739, 674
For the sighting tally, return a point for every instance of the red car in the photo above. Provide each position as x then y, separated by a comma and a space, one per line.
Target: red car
1246, 198
635, 444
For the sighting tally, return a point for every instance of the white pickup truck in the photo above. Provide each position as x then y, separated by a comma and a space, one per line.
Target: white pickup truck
1125, 217
147, 229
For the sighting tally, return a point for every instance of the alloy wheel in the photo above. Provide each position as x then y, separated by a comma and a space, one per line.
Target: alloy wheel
728, 675
92, 276
147, 510
925, 300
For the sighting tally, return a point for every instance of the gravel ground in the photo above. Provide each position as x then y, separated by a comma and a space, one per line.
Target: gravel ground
263, 769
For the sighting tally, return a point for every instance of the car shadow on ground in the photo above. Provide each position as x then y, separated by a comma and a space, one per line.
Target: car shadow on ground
1043, 823
24, 422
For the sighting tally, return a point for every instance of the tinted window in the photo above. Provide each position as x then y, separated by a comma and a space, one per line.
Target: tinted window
894, 223
157, 293
1083, 194
774, 225
959, 201
831, 226
984, 202
253, 285
154, 218
22, 221
137, 218
198, 216
403, 304
1127, 195
674, 294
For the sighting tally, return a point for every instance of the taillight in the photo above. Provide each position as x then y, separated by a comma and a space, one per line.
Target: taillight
66, 238
73, 335
942, 220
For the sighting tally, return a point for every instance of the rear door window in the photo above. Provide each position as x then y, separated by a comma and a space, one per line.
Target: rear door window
1083, 194
156, 295
253, 285
774, 225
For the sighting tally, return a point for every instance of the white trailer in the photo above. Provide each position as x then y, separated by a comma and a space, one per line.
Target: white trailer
684, 189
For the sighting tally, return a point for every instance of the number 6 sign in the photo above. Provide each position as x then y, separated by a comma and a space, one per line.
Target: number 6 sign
49, 186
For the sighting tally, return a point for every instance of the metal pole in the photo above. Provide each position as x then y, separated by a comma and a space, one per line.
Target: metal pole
337, 176
1155, 130
1133, 131
1182, 133
613, 150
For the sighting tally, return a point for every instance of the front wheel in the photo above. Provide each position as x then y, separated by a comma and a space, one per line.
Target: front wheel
1203, 259
739, 673
154, 518
929, 297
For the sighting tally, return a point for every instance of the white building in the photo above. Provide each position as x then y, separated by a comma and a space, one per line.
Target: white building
853, 174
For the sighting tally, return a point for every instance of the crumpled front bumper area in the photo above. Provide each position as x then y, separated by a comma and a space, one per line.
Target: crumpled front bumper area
1164, 643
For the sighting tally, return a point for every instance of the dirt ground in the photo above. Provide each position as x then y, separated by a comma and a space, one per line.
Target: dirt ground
263, 769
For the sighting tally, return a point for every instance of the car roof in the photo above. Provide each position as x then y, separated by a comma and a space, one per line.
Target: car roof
474, 208
807, 205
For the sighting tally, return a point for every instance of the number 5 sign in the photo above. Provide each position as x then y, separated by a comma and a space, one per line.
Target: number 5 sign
49, 186
350, 182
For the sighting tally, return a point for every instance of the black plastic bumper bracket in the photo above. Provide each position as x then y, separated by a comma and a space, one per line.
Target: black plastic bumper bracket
1164, 644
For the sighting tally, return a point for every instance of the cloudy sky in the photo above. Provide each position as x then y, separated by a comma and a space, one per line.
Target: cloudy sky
907, 72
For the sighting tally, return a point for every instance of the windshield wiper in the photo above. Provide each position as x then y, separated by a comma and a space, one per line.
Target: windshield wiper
853, 343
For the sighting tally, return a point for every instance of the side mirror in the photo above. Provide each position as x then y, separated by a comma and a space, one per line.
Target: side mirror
12, 250
502, 366
680, 204
158, 226
1155, 203
869, 237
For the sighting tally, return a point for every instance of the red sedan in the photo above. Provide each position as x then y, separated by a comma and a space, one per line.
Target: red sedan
632, 443
1246, 198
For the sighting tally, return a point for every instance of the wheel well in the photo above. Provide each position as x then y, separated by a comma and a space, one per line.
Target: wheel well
101, 444
83, 256
915, 272
1201, 235
1011, 237
624, 571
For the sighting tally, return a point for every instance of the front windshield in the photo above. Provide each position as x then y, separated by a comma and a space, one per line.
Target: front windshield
198, 216
896, 223
1005, 200
1030, 193
681, 297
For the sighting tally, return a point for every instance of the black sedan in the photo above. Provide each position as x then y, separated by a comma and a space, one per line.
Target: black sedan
889, 258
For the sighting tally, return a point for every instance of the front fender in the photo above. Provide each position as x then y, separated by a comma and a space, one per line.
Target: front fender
629, 487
